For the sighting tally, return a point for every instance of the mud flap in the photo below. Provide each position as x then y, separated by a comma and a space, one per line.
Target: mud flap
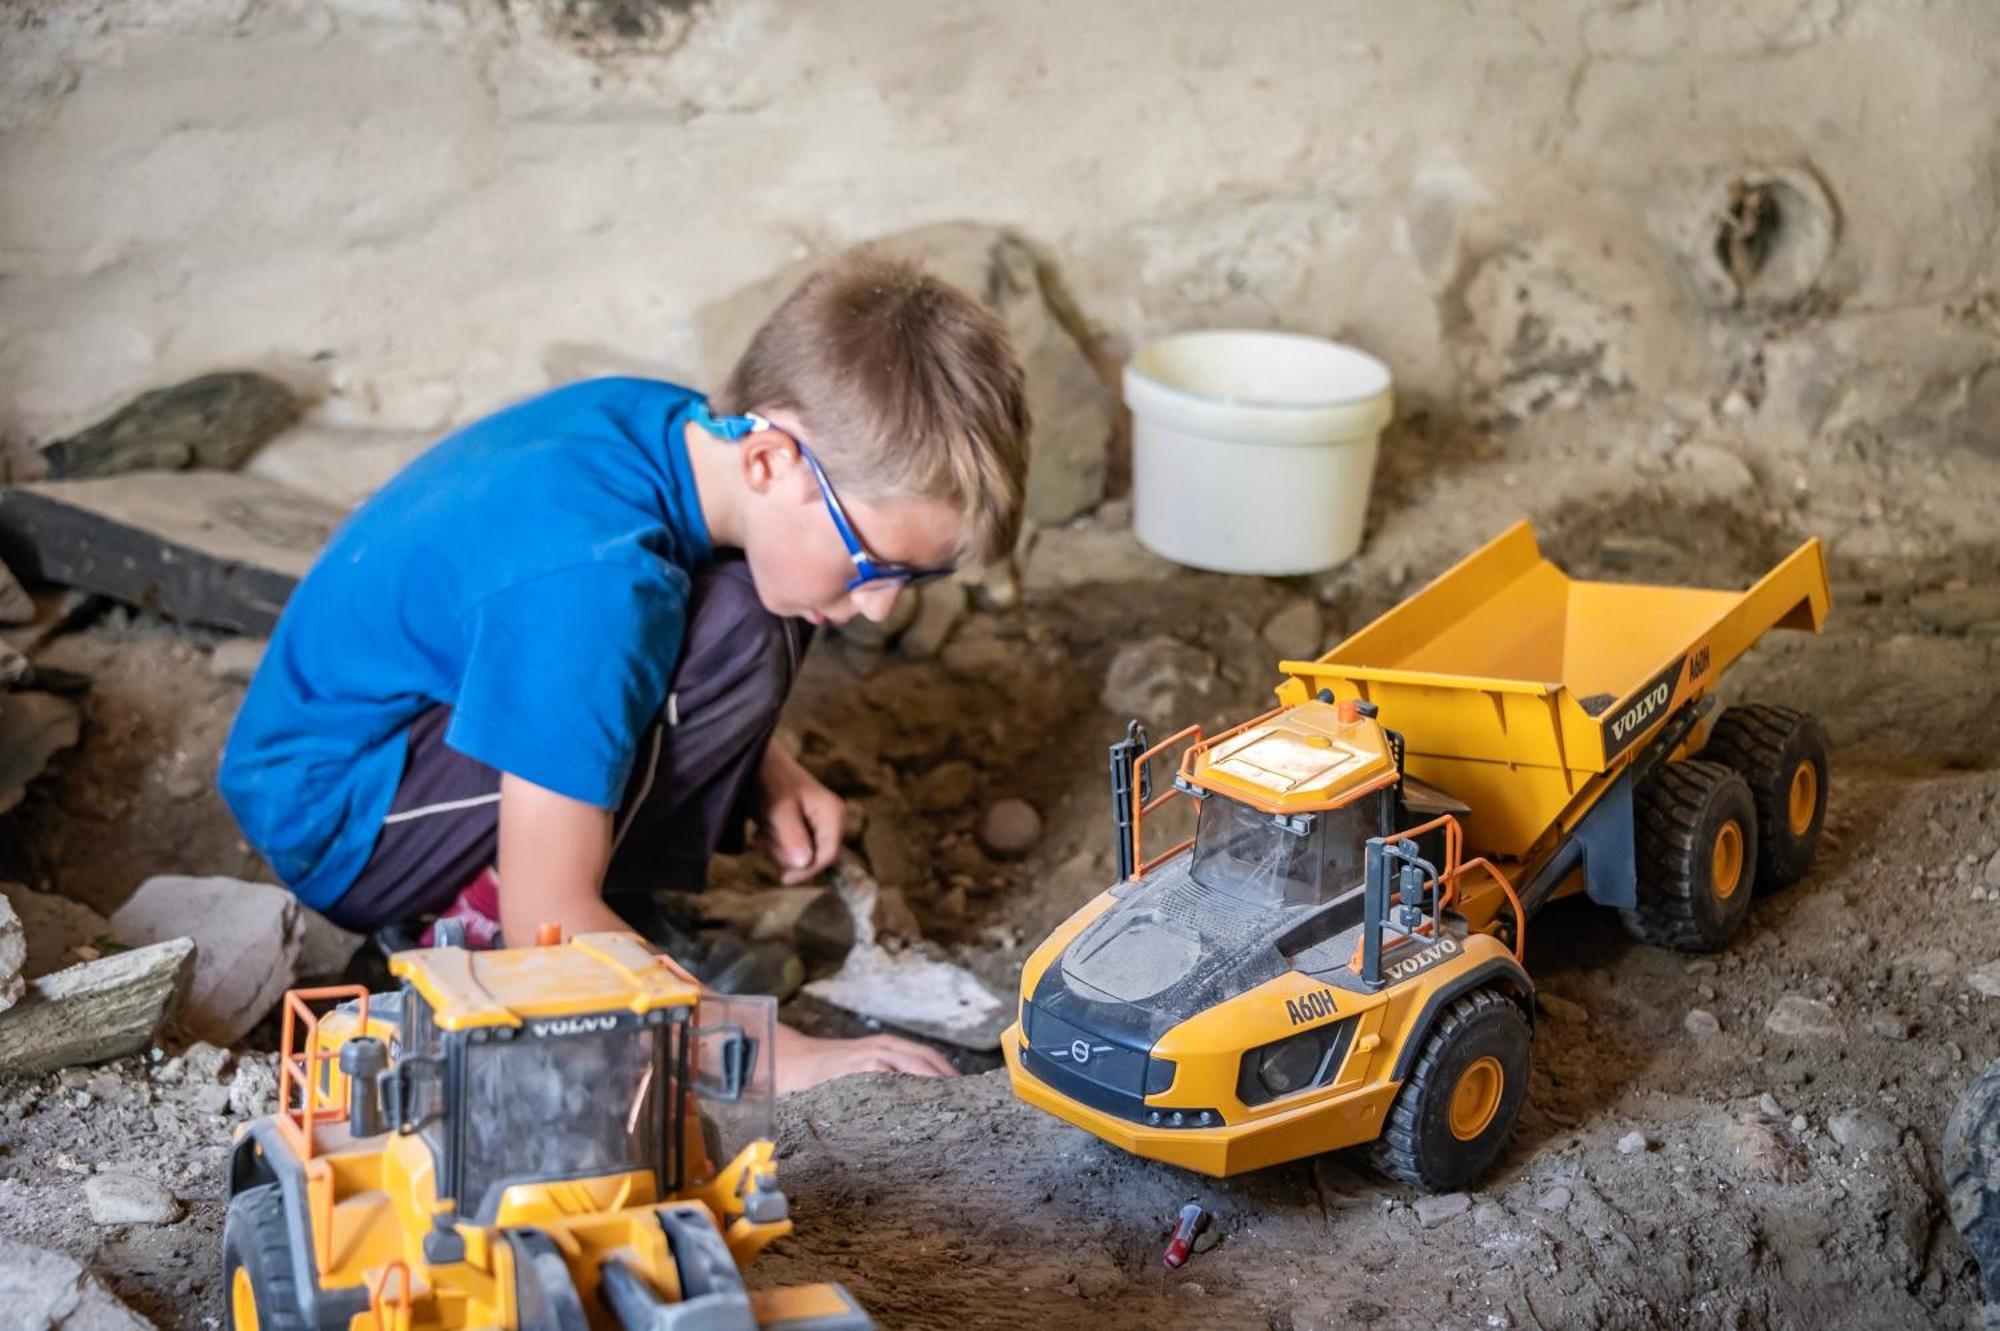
542, 1286
1610, 865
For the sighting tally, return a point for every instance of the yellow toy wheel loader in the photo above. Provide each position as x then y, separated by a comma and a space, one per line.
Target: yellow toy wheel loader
1333, 958
537, 1138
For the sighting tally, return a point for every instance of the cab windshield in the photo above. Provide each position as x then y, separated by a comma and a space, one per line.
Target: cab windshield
1256, 859
561, 1107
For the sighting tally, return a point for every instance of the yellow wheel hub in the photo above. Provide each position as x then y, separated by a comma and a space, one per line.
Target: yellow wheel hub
242, 1302
1725, 862
1803, 800
1476, 1098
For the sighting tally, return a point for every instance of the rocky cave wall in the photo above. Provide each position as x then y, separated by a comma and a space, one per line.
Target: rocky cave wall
1783, 211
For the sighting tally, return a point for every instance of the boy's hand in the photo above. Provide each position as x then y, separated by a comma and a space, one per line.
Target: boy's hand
805, 1060
799, 821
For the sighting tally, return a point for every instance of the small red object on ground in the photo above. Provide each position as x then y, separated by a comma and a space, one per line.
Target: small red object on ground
1186, 1230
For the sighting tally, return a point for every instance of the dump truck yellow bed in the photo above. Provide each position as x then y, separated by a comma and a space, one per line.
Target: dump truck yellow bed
1523, 691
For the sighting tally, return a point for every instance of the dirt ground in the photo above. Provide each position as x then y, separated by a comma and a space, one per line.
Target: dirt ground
1784, 1180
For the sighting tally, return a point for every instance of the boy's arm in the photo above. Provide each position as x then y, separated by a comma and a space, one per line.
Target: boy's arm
553, 854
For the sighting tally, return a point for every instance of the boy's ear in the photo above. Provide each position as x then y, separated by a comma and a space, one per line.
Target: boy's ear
767, 456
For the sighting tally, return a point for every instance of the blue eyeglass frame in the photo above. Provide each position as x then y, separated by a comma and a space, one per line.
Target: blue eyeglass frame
868, 570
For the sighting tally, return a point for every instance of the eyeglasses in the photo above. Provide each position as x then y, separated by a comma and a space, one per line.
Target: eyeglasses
870, 573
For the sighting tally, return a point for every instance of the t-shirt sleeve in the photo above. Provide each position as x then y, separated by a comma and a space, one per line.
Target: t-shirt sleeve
564, 672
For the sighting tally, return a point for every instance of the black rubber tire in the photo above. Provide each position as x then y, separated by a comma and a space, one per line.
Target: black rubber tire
1417, 1144
255, 1238
1972, 1175
1678, 815
1766, 744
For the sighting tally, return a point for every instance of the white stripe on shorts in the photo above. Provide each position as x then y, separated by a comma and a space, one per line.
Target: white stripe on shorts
449, 806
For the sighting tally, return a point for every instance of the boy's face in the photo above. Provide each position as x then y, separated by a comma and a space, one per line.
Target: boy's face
799, 563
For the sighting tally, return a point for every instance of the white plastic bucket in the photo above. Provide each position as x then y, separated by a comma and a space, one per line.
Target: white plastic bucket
1252, 452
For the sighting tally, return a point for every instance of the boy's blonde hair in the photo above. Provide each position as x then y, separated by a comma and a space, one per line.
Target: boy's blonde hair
906, 387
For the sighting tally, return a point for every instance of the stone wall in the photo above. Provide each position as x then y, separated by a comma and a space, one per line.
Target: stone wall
1785, 209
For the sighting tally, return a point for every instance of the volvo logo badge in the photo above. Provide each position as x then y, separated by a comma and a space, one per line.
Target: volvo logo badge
1079, 1051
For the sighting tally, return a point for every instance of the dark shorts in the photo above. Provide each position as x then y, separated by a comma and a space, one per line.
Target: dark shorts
688, 796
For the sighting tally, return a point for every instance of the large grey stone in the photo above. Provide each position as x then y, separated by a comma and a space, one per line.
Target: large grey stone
42, 1290
1071, 406
213, 421
95, 1010
250, 936
215, 548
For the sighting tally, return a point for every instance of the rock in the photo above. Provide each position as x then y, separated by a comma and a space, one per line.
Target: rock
1860, 1130
1768, 1103
204, 1060
1889, 1026
56, 928
1991, 873
215, 548
210, 1099
253, 1091
96, 1010
1555, 1200
13, 956
1562, 1009
34, 728
1010, 828
213, 421
1715, 469
250, 936
949, 785
1162, 681
1435, 1210
1985, 979
1796, 1017
940, 605
1701, 1023
324, 948
16, 606
236, 659
1939, 963
1767, 1151
1294, 632
1071, 407
42, 1290
1634, 1143
127, 1199
1100, 548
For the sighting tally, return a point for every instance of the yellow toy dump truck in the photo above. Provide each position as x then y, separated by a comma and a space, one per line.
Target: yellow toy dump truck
532, 1138
1333, 958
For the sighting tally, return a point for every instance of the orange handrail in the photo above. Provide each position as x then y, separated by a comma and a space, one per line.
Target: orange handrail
299, 1065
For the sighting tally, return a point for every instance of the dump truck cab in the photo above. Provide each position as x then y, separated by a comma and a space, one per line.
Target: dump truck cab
560, 1136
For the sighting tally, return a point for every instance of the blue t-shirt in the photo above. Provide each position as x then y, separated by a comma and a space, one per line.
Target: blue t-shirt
530, 572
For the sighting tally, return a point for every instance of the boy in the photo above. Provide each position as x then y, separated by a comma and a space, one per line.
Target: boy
538, 674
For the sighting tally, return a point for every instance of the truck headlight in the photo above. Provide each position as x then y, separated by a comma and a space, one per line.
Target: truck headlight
1289, 1065
1296, 1063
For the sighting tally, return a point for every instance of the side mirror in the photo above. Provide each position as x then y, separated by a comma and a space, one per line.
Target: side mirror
363, 1061
401, 1090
